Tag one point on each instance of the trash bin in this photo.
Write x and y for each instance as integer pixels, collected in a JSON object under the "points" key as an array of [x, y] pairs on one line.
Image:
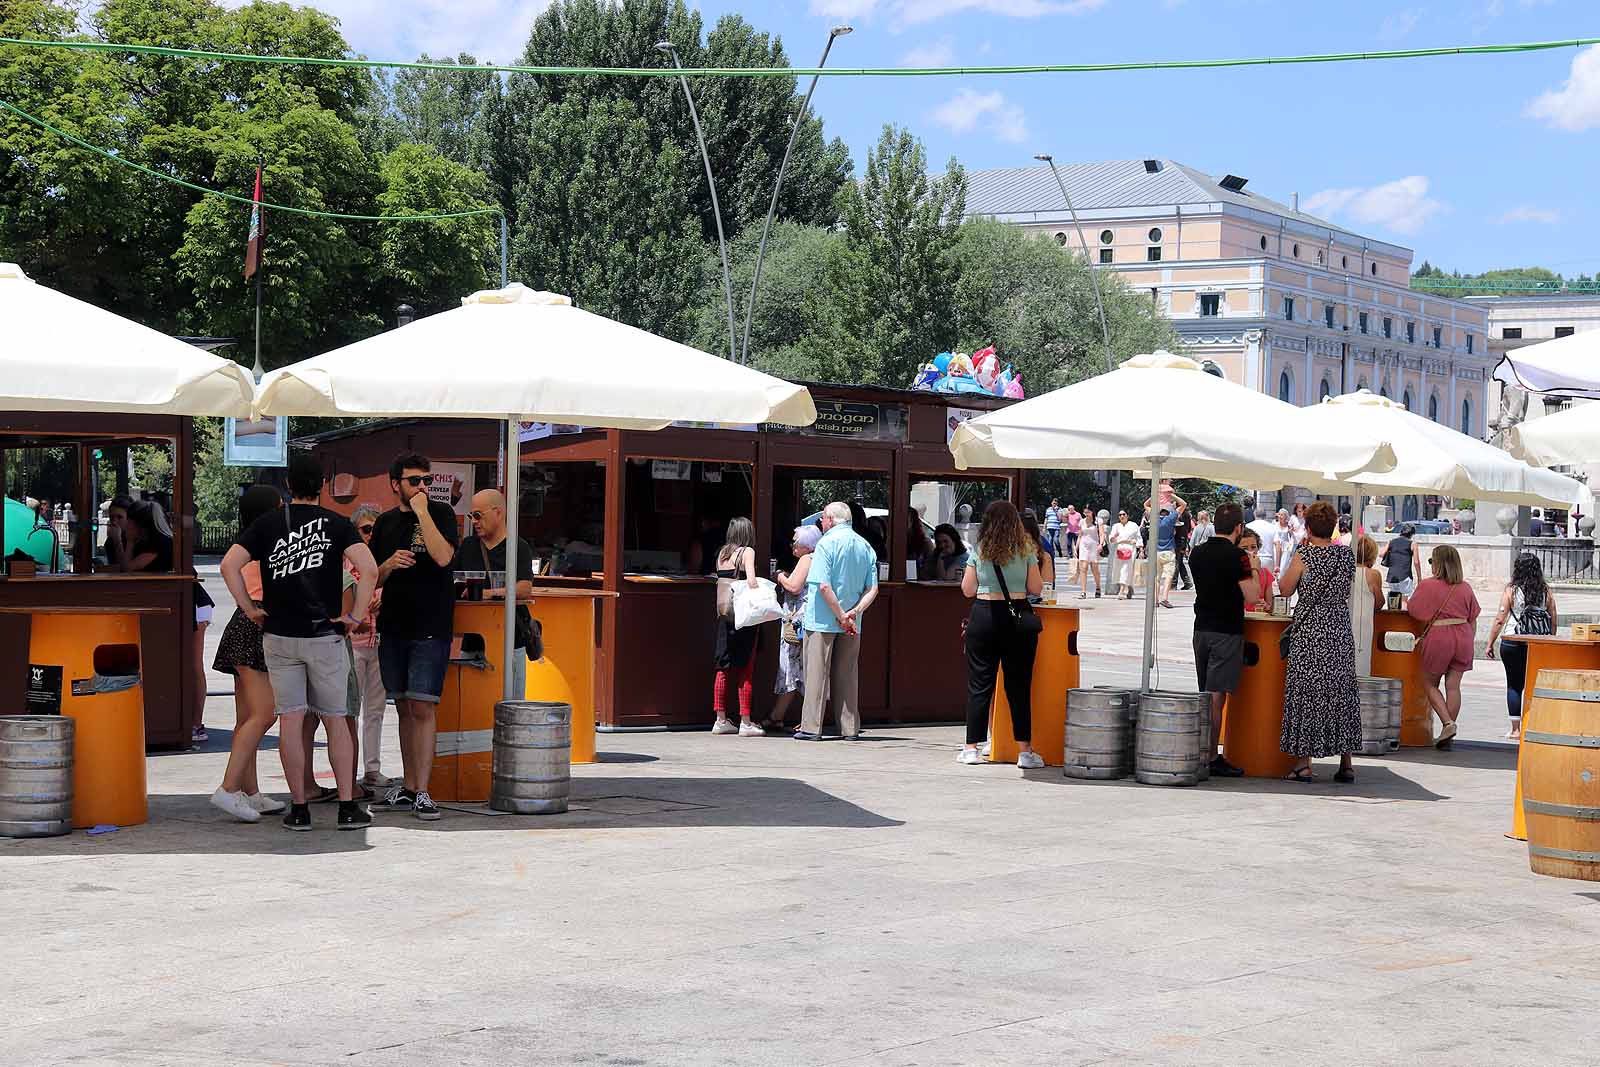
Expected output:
{"points": [[532, 757], [35, 775], [84, 663]]}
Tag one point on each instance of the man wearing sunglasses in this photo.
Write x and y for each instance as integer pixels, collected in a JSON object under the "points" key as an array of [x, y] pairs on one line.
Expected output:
{"points": [[415, 545], [485, 550]]}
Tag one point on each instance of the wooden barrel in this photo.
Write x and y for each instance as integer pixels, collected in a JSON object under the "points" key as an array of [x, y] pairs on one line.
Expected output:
{"points": [[1169, 747], [1380, 714], [36, 775], [532, 757], [1099, 734], [1561, 774]]}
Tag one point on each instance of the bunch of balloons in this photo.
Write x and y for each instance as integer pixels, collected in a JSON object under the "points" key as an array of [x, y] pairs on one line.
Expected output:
{"points": [[957, 372]]}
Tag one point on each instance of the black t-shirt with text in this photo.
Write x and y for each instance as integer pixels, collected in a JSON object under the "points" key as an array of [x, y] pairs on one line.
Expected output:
{"points": [[470, 557], [300, 548], [1218, 566], [418, 601]]}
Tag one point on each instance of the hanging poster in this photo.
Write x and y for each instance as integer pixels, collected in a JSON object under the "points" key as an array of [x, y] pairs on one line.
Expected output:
{"points": [[262, 442], [954, 417], [43, 695], [453, 485]]}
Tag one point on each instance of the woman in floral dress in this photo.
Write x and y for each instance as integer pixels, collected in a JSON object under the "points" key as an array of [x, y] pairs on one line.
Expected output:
{"points": [[1321, 702]]}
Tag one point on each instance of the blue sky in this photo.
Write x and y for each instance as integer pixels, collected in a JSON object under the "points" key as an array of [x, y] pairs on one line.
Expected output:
{"points": [[1475, 162]]}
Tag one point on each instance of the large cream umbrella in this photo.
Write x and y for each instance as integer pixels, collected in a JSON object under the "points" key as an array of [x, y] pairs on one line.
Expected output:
{"points": [[58, 353], [1164, 413], [1430, 458], [517, 355], [1566, 366], [1567, 437]]}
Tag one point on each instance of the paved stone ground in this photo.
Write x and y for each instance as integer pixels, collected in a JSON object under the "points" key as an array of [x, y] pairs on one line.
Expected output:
{"points": [[717, 900]]}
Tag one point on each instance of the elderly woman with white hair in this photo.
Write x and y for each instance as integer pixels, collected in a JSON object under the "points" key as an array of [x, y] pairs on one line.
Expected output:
{"points": [[791, 653]]}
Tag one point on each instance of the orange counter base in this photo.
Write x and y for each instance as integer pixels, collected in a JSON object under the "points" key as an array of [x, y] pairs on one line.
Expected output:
{"points": [[1416, 718], [566, 674], [1546, 653], [1055, 670], [1252, 718]]}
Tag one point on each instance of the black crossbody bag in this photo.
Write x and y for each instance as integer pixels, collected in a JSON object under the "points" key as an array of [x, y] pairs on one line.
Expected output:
{"points": [[1028, 622]]}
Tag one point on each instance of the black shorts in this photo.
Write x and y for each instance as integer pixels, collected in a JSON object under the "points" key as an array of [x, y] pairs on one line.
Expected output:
{"points": [[1218, 660]]}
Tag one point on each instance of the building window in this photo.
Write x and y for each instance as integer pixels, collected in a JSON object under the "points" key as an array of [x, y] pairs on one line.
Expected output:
{"points": [[1106, 237], [1319, 255], [1061, 239], [1153, 254], [1433, 408], [1405, 400], [1210, 305], [1388, 326], [1297, 251], [1411, 333], [1361, 383], [1327, 315], [1374, 270], [1263, 244], [1344, 261], [1466, 416], [1106, 255], [1512, 333], [1384, 391], [1438, 337], [1469, 344], [1565, 331], [1288, 308], [1326, 390], [1155, 235], [1361, 322], [1286, 387]]}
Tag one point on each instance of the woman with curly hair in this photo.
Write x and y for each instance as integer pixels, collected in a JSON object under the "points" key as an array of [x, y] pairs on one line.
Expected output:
{"points": [[1526, 607], [1001, 574]]}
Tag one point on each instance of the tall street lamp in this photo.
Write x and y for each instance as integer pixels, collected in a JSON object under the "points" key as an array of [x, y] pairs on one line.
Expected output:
{"points": [[716, 209], [1105, 333], [799, 120]]}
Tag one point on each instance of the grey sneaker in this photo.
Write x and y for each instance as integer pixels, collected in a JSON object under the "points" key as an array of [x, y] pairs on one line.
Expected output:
{"points": [[1030, 761]]}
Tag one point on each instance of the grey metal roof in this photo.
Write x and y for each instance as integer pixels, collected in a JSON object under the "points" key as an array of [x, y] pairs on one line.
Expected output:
{"points": [[1112, 184]]}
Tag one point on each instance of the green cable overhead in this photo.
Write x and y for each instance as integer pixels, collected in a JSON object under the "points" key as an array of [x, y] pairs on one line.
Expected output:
{"points": [[116, 158], [791, 72]]}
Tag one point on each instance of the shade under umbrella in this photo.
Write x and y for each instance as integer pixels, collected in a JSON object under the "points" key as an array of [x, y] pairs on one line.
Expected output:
{"points": [[1430, 458], [516, 354], [1567, 437], [58, 353], [1164, 413], [1566, 366], [533, 356]]}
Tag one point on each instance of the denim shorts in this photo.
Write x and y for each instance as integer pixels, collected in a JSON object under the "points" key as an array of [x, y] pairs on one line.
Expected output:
{"points": [[308, 674], [413, 670]]}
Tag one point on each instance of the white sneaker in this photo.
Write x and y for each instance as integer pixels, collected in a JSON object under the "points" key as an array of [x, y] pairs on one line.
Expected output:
{"points": [[1029, 761], [985, 748], [750, 729], [969, 756], [234, 804], [264, 804], [723, 726]]}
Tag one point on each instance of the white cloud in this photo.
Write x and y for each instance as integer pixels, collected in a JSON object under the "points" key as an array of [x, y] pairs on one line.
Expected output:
{"points": [[843, 9], [1576, 105], [962, 112], [940, 53], [914, 12], [1398, 25], [491, 30], [1402, 206], [1529, 213]]}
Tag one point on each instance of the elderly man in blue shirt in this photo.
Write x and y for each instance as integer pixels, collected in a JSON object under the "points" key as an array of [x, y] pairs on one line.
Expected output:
{"points": [[843, 583]]}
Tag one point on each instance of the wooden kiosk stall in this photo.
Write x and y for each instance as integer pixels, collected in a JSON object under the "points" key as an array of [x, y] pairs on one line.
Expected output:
{"points": [[158, 607], [634, 514]]}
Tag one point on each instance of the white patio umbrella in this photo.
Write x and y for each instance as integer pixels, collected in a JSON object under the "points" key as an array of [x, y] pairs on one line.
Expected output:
{"points": [[1430, 458], [1165, 413], [518, 355], [58, 353], [1566, 366], [1567, 437]]}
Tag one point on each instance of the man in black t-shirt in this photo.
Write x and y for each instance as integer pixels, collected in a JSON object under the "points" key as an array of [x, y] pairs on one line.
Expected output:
{"points": [[1223, 582], [302, 549], [415, 545], [485, 550]]}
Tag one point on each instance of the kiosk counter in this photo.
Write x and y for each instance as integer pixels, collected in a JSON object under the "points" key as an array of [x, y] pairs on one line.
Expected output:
{"points": [[1056, 670]]}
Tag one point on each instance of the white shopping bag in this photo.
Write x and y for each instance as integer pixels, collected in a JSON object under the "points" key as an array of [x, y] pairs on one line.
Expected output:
{"points": [[752, 607]]}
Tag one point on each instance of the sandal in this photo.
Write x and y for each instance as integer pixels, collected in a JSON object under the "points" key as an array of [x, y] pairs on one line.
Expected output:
{"points": [[1344, 776], [1300, 774], [324, 795]]}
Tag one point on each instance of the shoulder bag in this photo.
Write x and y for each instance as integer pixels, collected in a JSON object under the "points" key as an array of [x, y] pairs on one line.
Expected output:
{"points": [[1028, 622], [530, 632]]}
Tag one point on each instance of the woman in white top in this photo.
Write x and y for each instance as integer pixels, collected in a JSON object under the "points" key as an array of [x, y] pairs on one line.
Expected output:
{"points": [[1366, 597], [1526, 590], [1125, 541], [1091, 535]]}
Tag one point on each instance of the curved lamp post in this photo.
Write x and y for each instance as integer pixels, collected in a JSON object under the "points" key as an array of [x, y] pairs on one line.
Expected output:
{"points": [[777, 187], [716, 209]]}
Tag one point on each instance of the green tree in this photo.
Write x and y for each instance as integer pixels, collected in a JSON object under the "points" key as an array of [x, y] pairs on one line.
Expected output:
{"points": [[431, 265], [893, 279]]}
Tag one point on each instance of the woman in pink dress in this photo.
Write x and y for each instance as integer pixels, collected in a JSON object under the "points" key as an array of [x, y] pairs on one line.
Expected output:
{"points": [[1447, 604]]}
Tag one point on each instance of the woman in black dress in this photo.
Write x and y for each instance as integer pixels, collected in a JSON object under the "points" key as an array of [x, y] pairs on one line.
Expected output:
{"points": [[1321, 700]]}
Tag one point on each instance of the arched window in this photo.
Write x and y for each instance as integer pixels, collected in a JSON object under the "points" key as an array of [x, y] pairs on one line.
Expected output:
{"points": [[1326, 390], [1361, 383], [1466, 415], [1286, 387], [1297, 251], [1405, 399], [1263, 244], [1374, 270], [1384, 391], [1433, 408]]}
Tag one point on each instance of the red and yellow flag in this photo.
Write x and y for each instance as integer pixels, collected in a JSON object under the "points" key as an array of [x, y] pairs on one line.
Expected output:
{"points": [[252, 248]]}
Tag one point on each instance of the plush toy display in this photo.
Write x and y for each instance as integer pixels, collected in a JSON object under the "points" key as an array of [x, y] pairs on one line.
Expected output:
{"points": [[957, 372]]}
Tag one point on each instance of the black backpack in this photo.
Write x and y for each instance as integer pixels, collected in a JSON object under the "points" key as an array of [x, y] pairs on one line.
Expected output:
{"points": [[1535, 621]]}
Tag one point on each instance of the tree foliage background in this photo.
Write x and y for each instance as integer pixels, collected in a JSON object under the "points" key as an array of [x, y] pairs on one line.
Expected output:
{"points": [[599, 180]]}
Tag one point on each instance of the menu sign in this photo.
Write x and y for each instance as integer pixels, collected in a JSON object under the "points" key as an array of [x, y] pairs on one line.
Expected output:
{"points": [[43, 695], [864, 422]]}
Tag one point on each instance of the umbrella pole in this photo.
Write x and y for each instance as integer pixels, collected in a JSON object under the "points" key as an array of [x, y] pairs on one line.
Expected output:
{"points": [[513, 526], [1152, 579]]}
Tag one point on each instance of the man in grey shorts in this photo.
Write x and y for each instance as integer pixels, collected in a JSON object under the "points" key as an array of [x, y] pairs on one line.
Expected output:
{"points": [[1222, 582], [302, 549]]}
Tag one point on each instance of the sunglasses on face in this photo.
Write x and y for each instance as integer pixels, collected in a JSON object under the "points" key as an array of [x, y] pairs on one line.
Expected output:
{"points": [[415, 480], [365, 531], [476, 516]]}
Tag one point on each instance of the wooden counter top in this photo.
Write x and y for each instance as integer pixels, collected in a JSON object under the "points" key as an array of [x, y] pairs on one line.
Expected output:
{"points": [[107, 610], [1262, 616], [1548, 639]]}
